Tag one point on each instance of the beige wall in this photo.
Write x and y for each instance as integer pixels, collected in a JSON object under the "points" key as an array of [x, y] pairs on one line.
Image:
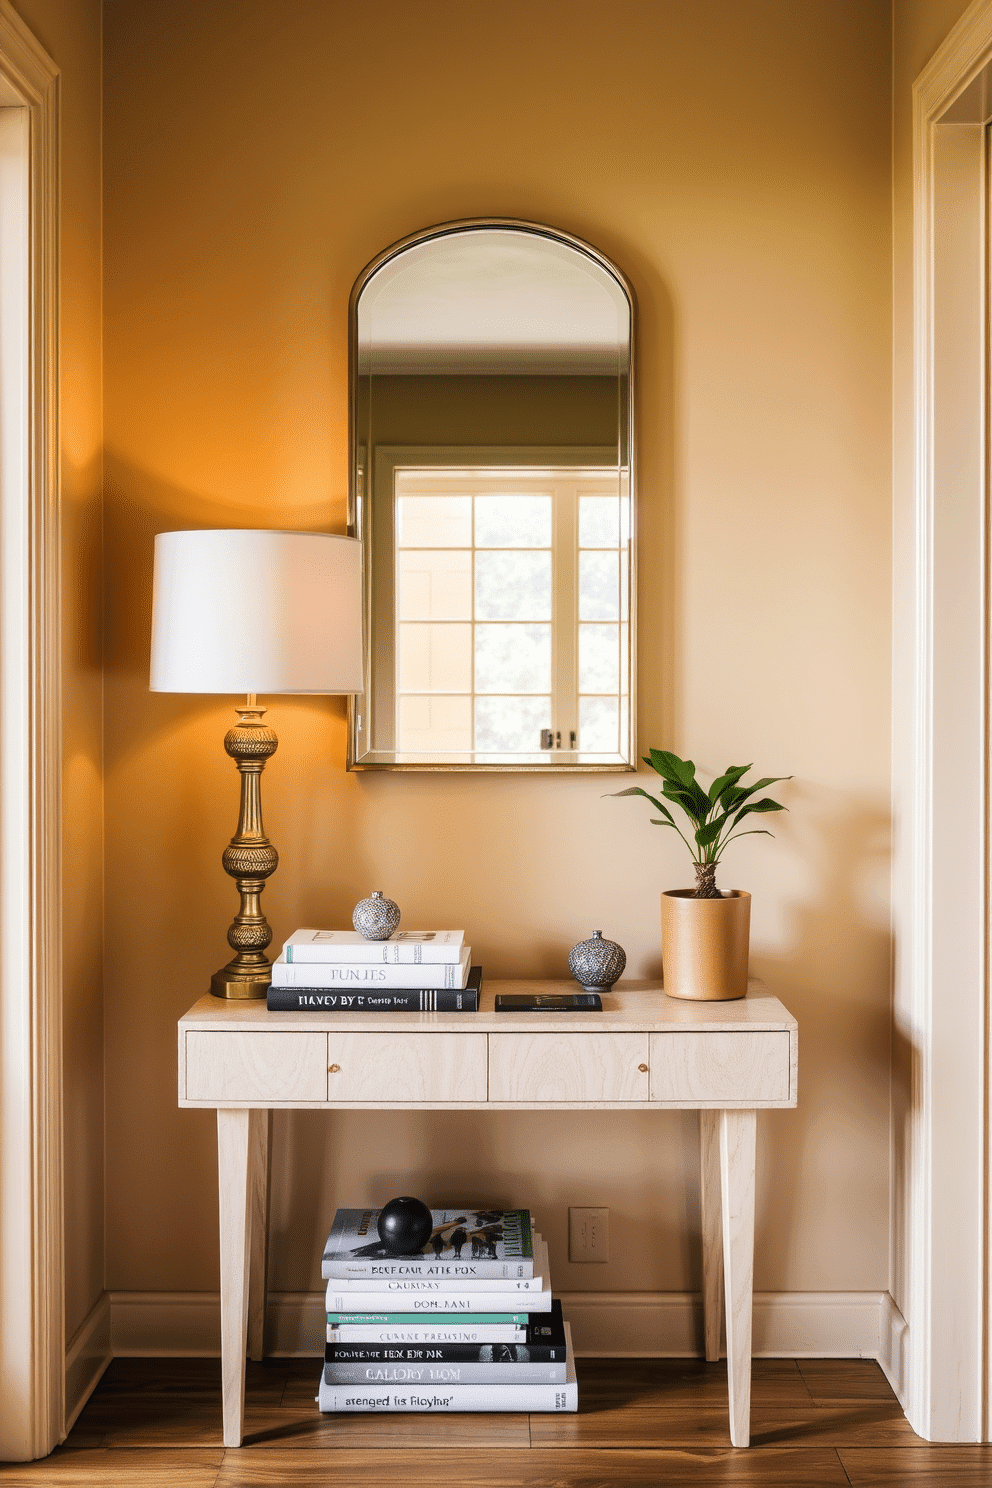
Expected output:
{"points": [[72, 36], [919, 27], [734, 162]]}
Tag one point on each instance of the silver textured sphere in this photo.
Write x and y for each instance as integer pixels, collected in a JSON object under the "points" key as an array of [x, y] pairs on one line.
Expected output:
{"points": [[597, 963], [376, 918]]}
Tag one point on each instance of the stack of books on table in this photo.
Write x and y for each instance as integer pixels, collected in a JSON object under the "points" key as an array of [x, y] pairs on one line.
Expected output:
{"points": [[332, 971], [468, 1324]]}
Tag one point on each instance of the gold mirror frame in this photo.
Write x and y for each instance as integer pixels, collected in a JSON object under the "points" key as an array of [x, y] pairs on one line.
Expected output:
{"points": [[353, 761]]}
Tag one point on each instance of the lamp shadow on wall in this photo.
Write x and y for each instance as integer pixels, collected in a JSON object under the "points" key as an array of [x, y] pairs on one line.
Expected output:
{"points": [[836, 979], [171, 807]]}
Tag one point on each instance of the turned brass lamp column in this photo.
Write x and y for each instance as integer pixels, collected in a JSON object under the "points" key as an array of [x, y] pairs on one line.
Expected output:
{"points": [[249, 858], [249, 611]]}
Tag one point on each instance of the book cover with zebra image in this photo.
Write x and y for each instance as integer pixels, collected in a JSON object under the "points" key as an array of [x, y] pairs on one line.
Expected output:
{"points": [[464, 1245]]}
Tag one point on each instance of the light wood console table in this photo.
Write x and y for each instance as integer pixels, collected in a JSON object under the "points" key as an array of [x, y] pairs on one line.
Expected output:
{"points": [[645, 1051]]}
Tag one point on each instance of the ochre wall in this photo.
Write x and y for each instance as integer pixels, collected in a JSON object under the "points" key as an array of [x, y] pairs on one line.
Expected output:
{"points": [[919, 27], [734, 161], [71, 34]]}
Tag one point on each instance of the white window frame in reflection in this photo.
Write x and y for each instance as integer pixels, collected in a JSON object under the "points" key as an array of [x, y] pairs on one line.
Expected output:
{"points": [[565, 484]]}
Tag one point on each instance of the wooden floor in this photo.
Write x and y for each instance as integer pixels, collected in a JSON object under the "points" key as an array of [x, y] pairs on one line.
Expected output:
{"points": [[156, 1422]]}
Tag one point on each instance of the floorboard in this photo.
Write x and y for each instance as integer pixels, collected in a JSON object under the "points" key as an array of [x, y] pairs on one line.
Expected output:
{"points": [[536, 1469], [941, 1466], [830, 1422], [116, 1470]]}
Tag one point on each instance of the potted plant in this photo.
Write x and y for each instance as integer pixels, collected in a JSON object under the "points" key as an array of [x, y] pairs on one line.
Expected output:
{"points": [[705, 933]]}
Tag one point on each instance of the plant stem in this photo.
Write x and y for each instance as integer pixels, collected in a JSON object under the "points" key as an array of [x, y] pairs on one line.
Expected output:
{"points": [[706, 881]]}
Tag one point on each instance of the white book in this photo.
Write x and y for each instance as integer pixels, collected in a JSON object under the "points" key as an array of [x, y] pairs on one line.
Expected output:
{"points": [[426, 1332], [440, 1398], [367, 977], [445, 1302], [403, 948], [397, 1289]]}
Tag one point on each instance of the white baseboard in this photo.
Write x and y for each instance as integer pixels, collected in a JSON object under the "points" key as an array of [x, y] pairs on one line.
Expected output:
{"points": [[893, 1351], [86, 1358], [786, 1325], [790, 1325]]}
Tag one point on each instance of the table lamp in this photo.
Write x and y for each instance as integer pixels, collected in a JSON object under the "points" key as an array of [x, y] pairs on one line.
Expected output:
{"points": [[255, 612]]}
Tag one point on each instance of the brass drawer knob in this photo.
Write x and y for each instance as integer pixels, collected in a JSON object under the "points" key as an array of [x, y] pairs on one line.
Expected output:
{"points": [[643, 1068], [332, 1069]]}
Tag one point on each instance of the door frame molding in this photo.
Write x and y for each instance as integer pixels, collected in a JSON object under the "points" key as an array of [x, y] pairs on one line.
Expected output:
{"points": [[940, 747], [32, 1265]]}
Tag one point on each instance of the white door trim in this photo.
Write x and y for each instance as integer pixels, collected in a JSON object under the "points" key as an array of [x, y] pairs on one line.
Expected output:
{"points": [[940, 755], [32, 1324]]}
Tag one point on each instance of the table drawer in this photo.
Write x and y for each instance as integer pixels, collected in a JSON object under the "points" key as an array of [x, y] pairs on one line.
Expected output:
{"points": [[256, 1067], [386, 1067], [568, 1067], [747, 1068]]}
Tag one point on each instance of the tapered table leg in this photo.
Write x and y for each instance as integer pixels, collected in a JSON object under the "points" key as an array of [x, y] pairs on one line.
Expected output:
{"points": [[237, 1136], [737, 1149], [709, 1200], [258, 1200]]}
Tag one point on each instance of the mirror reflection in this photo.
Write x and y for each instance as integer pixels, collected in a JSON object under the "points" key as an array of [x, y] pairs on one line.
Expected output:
{"points": [[491, 459]]}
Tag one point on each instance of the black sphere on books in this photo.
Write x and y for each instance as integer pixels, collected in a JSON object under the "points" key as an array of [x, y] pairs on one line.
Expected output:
{"points": [[405, 1225]]}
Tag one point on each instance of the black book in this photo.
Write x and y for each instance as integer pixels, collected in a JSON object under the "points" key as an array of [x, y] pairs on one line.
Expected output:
{"points": [[545, 1344], [382, 1000]]}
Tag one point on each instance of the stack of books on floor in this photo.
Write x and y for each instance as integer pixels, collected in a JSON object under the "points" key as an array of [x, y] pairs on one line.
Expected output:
{"points": [[468, 1324], [333, 971]]}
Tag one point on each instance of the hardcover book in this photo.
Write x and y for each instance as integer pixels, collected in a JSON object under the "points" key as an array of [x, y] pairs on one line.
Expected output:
{"points": [[404, 1327], [413, 1281], [542, 1340], [465, 1245], [440, 1398], [445, 1304], [439, 1372], [412, 1000], [425, 1294], [403, 948], [369, 977]]}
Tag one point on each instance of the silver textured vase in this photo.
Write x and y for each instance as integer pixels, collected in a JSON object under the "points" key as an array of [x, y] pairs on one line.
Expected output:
{"points": [[376, 918], [597, 963]]}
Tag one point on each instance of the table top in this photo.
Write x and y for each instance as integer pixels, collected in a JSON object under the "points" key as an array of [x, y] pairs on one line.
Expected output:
{"points": [[632, 1006]]}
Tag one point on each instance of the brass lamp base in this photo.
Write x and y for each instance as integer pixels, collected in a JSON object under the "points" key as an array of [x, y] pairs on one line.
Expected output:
{"points": [[249, 858], [225, 983]]}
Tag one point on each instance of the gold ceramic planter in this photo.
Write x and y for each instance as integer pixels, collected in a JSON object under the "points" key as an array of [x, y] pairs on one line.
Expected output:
{"points": [[704, 944]]}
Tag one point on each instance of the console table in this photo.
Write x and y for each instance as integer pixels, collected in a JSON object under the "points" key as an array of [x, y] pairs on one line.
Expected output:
{"points": [[645, 1051]]}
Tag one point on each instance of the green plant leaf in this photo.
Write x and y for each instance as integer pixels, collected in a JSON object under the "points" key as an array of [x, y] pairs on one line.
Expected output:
{"points": [[747, 791], [709, 833], [696, 809], [733, 796], [670, 767], [766, 804], [754, 832], [730, 776], [635, 790], [681, 774]]}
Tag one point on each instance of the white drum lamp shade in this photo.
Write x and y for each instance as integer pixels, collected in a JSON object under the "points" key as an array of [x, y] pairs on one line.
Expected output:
{"points": [[246, 611]]}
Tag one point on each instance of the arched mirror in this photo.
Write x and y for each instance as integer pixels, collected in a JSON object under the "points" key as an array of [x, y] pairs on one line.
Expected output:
{"points": [[491, 483]]}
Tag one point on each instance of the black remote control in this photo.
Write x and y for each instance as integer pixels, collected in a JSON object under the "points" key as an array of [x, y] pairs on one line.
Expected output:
{"points": [[553, 1002]]}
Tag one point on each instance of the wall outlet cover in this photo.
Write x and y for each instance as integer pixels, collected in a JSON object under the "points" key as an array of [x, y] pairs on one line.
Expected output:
{"points": [[588, 1235]]}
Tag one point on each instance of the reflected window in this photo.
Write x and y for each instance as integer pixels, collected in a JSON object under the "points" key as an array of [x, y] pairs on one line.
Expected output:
{"points": [[511, 624]]}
